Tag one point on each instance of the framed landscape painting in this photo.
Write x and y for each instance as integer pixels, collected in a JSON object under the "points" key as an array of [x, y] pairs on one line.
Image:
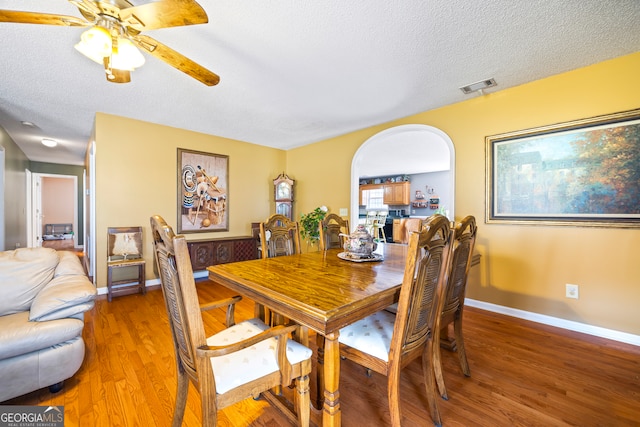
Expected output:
{"points": [[203, 182], [584, 172]]}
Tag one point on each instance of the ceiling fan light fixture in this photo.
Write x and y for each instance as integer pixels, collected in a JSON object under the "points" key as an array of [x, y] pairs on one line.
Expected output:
{"points": [[49, 142], [127, 56], [95, 44]]}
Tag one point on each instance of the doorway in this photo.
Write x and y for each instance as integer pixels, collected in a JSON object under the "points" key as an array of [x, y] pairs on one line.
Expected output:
{"points": [[54, 209], [406, 149]]}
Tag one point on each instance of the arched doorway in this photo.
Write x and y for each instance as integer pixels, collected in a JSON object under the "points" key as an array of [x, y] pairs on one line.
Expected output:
{"points": [[406, 149]]}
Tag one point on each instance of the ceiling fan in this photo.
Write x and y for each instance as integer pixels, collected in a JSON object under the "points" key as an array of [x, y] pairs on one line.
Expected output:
{"points": [[115, 30]]}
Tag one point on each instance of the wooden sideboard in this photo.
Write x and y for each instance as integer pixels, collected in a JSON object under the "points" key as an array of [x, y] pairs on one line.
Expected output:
{"points": [[206, 252]]}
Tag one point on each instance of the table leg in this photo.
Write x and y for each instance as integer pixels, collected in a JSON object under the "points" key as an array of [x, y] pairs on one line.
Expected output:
{"points": [[331, 415], [320, 371]]}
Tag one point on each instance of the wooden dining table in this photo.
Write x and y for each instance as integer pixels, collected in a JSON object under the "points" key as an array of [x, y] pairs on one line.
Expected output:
{"points": [[323, 292]]}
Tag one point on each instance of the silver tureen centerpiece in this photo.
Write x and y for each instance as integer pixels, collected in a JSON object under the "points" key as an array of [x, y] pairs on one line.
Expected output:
{"points": [[360, 243]]}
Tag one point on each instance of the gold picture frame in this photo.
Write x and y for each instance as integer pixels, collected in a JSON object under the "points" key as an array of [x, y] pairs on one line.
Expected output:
{"points": [[203, 195], [582, 173]]}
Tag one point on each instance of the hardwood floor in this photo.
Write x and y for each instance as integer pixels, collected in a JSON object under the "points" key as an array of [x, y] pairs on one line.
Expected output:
{"points": [[522, 374]]}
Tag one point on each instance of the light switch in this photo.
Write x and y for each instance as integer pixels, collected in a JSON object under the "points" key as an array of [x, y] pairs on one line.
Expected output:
{"points": [[344, 211]]}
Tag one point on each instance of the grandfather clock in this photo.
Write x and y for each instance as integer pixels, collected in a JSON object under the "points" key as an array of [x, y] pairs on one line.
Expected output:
{"points": [[283, 195]]}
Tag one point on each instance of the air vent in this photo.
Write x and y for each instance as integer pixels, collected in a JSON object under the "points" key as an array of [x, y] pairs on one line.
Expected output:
{"points": [[478, 86]]}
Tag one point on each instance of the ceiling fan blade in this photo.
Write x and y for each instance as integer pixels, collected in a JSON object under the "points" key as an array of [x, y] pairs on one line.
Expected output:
{"points": [[41, 18], [176, 60], [163, 14], [87, 6]]}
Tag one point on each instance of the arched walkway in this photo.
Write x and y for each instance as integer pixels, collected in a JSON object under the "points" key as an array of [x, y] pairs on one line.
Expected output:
{"points": [[405, 149]]}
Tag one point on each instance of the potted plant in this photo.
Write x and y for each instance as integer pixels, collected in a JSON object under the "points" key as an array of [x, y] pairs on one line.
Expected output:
{"points": [[309, 224]]}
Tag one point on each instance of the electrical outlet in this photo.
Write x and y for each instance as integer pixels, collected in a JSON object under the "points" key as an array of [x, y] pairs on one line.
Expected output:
{"points": [[344, 211], [572, 291]]}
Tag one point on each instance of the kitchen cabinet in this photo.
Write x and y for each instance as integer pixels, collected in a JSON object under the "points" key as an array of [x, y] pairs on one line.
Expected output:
{"points": [[403, 227], [397, 193], [397, 230]]}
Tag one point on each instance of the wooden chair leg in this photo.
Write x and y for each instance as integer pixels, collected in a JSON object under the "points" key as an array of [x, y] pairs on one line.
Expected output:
{"points": [[393, 392], [181, 398], [208, 404], [437, 372], [436, 362], [304, 400], [430, 383], [109, 283], [462, 353], [142, 278]]}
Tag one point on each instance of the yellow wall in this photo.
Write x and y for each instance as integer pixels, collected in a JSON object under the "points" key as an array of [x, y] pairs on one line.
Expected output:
{"points": [[523, 267], [136, 177]]}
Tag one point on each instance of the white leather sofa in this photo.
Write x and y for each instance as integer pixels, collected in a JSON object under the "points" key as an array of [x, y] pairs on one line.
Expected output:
{"points": [[43, 296]]}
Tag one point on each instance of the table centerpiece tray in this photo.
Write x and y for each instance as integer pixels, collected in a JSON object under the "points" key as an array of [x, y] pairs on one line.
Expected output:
{"points": [[348, 256]]}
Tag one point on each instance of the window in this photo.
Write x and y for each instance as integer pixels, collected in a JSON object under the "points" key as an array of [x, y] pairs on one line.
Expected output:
{"points": [[373, 199]]}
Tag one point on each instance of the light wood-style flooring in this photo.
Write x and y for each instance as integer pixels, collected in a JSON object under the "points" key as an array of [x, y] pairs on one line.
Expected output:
{"points": [[522, 374]]}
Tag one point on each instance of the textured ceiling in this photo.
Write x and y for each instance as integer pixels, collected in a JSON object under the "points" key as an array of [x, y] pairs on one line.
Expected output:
{"points": [[293, 73]]}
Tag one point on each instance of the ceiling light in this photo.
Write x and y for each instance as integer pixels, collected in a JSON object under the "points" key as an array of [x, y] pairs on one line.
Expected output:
{"points": [[478, 86], [106, 44], [127, 56], [95, 44], [28, 124], [49, 142]]}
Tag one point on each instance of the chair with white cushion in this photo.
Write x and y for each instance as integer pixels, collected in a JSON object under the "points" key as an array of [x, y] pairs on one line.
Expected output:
{"points": [[239, 362], [385, 342]]}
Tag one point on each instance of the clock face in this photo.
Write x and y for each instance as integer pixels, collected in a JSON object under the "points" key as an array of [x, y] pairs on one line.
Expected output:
{"points": [[283, 191]]}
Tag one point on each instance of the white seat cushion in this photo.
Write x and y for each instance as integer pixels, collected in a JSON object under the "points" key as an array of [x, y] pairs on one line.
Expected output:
{"points": [[251, 363], [371, 335]]}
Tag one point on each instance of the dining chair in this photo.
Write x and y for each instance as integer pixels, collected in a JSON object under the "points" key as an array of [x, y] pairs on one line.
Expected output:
{"points": [[279, 236], [463, 244], [331, 228], [241, 361], [384, 342]]}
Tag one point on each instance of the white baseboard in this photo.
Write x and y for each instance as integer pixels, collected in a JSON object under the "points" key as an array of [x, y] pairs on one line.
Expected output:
{"points": [[153, 282], [557, 322]]}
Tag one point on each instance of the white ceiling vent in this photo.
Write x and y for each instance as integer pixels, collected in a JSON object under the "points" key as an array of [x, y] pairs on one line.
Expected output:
{"points": [[478, 86]]}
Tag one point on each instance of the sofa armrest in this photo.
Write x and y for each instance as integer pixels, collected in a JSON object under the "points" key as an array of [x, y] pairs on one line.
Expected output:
{"points": [[64, 296]]}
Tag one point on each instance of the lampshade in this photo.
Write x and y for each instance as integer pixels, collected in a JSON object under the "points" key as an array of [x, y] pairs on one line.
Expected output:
{"points": [[127, 57], [95, 44]]}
